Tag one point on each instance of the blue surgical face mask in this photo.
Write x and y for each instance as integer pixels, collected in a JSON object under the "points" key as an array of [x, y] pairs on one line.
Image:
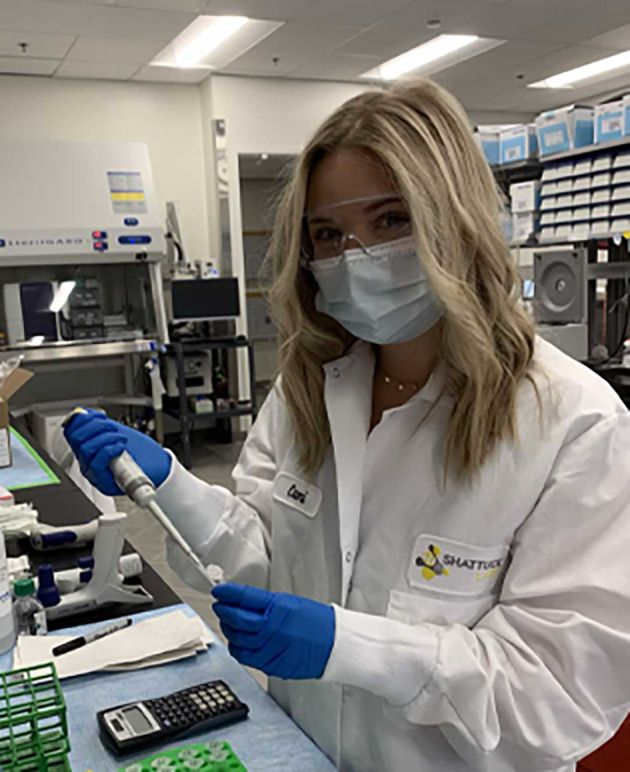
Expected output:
{"points": [[381, 295]]}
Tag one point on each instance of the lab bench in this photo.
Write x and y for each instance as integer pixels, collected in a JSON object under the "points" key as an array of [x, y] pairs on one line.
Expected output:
{"points": [[64, 504], [267, 741]]}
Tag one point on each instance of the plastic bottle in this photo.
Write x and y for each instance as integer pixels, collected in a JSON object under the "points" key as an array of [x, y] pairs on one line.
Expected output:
{"points": [[30, 615], [7, 627]]}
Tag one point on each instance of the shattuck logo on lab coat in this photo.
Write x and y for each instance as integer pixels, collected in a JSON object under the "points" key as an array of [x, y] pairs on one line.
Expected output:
{"points": [[498, 664]]}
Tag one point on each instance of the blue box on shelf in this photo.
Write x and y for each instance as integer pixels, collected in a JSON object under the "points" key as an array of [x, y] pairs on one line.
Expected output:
{"points": [[487, 138], [565, 129], [518, 144], [612, 120]]}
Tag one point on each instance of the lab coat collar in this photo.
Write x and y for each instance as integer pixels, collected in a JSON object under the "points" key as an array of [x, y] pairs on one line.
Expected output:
{"points": [[360, 357]]}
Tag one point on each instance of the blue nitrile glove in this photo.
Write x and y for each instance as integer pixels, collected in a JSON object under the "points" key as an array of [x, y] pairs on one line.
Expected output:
{"points": [[283, 635], [97, 440]]}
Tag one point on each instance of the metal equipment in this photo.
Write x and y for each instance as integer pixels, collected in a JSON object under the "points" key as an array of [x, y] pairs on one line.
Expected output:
{"points": [[197, 373], [560, 286], [81, 251]]}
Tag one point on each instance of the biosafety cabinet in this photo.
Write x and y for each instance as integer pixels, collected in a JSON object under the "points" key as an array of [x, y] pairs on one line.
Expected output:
{"points": [[81, 252]]}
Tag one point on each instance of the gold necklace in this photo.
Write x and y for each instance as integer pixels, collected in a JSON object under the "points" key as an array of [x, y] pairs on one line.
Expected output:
{"points": [[400, 385]]}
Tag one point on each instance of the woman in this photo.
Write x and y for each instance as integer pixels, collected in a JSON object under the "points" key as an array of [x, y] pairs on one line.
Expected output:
{"points": [[443, 498]]}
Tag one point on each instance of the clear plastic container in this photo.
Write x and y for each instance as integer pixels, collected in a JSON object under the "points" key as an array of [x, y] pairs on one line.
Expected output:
{"points": [[28, 612]]}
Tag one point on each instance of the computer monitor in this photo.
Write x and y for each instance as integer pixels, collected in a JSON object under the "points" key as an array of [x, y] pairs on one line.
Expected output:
{"points": [[199, 300]]}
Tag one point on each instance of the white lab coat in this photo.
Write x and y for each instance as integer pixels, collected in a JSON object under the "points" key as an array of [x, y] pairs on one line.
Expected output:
{"points": [[512, 653]]}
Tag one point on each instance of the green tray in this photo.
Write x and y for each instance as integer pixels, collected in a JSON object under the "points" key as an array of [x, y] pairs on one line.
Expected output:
{"points": [[203, 757], [33, 723]]}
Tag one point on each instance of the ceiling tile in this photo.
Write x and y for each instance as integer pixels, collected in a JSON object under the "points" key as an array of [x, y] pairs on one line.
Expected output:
{"points": [[297, 38], [79, 2], [171, 75], [133, 22], [23, 66], [263, 62], [552, 5], [384, 41], [42, 16], [365, 12], [576, 27], [560, 61], [451, 12], [337, 67], [40, 45], [507, 22], [96, 70], [619, 38], [275, 10], [507, 59], [123, 50]]}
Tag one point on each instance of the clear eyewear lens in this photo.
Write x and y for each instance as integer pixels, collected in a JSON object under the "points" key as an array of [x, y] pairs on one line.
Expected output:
{"points": [[360, 224]]}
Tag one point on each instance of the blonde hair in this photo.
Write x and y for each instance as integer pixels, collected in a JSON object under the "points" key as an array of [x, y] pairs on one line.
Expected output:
{"points": [[420, 135]]}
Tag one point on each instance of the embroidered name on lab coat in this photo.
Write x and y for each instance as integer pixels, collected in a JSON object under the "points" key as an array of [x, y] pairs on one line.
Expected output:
{"points": [[450, 566], [297, 494]]}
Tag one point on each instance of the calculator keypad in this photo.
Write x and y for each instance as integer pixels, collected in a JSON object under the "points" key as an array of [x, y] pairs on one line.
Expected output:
{"points": [[192, 706]]}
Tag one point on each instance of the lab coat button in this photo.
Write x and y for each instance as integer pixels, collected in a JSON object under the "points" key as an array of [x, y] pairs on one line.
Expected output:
{"points": [[336, 372], [349, 557]]}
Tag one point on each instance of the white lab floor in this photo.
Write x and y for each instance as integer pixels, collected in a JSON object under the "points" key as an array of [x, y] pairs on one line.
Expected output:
{"points": [[212, 463]]}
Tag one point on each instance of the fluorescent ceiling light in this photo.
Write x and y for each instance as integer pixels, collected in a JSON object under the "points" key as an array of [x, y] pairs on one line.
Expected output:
{"points": [[437, 54], [586, 72], [64, 290], [36, 340], [210, 42]]}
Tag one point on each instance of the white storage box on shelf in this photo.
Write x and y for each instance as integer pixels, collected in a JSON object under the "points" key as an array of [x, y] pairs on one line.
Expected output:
{"points": [[581, 231], [621, 210], [622, 193], [565, 129], [601, 180], [524, 227], [582, 199], [581, 214], [620, 226], [548, 218], [621, 177], [525, 196], [548, 203], [564, 216], [564, 201], [564, 186], [548, 233], [601, 196], [601, 212], [518, 144], [583, 167], [602, 163], [612, 120], [564, 231], [549, 189], [622, 160], [582, 183], [600, 227]]}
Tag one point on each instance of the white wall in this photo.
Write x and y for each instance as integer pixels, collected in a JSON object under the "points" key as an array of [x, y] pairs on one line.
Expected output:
{"points": [[167, 117]]}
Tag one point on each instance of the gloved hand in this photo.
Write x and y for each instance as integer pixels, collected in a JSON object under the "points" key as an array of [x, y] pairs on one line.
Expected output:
{"points": [[282, 635], [97, 440]]}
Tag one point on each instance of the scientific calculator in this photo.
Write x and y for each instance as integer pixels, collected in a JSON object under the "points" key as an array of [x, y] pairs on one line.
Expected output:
{"points": [[126, 728]]}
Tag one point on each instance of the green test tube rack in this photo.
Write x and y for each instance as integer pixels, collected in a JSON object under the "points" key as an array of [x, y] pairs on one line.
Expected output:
{"points": [[214, 756], [33, 722]]}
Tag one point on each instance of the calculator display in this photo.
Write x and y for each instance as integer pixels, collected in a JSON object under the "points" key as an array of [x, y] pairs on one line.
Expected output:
{"points": [[137, 720]]}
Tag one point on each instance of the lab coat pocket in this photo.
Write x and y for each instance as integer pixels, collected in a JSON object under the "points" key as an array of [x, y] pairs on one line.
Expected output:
{"points": [[438, 608]]}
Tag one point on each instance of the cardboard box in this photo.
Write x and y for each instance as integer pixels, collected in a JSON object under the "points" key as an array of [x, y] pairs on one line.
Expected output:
{"points": [[525, 196], [487, 138], [612, 120], [518, 144], [11, 385], [524, 226], [565, 129]]}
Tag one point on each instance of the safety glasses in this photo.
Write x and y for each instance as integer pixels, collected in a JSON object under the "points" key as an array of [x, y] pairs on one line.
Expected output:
{"points": [[362, 223]]}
